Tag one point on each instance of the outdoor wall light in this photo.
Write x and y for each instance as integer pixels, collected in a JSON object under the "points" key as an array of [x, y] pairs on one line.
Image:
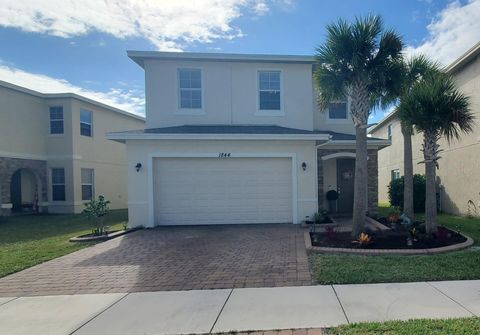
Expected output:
{"points": [[304, 166], [138, 167]]}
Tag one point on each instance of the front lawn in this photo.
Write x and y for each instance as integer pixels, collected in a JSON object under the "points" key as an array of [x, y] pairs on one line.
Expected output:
{"points": [[355, 269], [32, 239], [466, 326]]}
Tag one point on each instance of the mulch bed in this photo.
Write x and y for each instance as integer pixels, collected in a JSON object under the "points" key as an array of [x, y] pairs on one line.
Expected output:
{"points": [[389, 239]]}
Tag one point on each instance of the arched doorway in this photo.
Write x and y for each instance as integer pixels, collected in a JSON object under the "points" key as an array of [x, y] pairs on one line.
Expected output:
{"points": [[24, 190], [339, 175]]}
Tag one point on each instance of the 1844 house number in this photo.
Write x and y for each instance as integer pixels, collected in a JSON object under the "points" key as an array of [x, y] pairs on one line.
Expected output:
{"points": [[224, 154]]}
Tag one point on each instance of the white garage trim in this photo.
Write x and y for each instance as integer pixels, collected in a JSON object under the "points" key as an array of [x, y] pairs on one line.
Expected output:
{"points": [[152, 156]]}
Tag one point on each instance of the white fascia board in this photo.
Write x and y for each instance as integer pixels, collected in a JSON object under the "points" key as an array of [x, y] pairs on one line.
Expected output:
{"points": [[139, 57], [285, 137]]}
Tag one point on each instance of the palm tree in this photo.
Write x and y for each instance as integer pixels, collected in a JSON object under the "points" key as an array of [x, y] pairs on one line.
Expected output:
{"points": [[414, 69], [435, 107], [359, 60]]}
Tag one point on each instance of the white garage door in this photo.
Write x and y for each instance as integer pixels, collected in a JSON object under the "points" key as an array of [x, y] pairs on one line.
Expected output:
{"points": [[196, 191]]}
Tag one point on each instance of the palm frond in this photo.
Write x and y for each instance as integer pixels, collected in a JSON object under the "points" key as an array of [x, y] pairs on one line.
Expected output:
{"points": [[359, 52], [434, 104]]}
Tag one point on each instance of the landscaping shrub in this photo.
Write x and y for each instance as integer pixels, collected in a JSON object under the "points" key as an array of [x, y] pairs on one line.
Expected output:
{"points": [[395, 192], [96, 210]]}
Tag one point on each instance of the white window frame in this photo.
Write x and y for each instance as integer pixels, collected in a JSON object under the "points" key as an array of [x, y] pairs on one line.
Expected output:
{"points": [[339, 121], [390, 131], [190, 111], [52, 184], [269, 112], [50, 120], [90, 124], [393, 173], [82, 183]]}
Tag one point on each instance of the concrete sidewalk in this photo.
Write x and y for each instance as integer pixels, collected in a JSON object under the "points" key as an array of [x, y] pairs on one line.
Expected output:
{"points": [[206, 311]]}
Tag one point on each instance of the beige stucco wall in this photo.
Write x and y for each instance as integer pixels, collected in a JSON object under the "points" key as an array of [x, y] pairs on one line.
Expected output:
{"points": [[142, 152], [23, 125], [25, 133], [229, 94], [107, 158], [458, 173]]}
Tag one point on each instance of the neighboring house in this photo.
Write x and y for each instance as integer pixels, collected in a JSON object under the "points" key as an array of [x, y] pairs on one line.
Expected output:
{"points": [[233, 138], [53, 151], [459, 174]]}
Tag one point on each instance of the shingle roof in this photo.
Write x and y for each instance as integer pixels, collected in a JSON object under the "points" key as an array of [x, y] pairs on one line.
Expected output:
{"points": [[245, 129]]}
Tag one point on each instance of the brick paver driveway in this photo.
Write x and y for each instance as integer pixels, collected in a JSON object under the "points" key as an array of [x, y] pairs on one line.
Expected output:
{"points": [[173, 258]]}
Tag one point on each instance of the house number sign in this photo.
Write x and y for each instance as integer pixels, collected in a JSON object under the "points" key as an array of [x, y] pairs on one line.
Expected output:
{"points": [[224, 154]]}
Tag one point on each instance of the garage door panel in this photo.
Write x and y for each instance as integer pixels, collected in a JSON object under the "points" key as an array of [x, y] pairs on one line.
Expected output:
{"points": [[222, 191]]}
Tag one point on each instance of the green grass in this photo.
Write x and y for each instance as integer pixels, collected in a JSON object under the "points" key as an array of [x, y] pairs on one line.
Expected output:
{"points": [[465, 326], [32, 239], [356, 269]]}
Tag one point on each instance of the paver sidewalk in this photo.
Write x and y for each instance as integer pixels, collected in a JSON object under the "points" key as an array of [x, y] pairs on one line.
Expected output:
{"points": [[244, 309]]}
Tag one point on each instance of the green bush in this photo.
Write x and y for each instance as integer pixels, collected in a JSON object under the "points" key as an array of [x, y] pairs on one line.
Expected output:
{"points": [[395, 192]]}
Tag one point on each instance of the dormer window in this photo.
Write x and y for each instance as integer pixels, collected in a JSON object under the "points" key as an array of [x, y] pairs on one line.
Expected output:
{"points": [[190, 88]]}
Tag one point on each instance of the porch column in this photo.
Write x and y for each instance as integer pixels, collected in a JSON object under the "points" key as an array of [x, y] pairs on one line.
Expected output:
{"points": [[373, 182], [321, 192]]}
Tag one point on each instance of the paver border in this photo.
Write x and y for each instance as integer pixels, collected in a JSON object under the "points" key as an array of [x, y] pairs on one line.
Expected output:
{"points": [[100, 238], [454, 247]]}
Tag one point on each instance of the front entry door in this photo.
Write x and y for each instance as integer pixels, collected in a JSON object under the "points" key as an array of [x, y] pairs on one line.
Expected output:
{"points": [[345, 177]]}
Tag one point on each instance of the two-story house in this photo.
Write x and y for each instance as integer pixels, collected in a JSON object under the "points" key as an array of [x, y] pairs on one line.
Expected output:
{"points": [[53, 153], [458, 174], [236, 138]]}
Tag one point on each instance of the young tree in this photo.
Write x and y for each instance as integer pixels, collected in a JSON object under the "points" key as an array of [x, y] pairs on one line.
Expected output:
{"points": [[414, 69], [435, 107], [359, 61]]}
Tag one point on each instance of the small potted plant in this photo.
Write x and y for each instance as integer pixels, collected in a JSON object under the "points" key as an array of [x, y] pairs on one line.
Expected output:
{"points": [[393, 215]]}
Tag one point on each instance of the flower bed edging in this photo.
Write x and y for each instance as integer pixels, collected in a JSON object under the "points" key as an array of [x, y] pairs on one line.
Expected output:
{"points": [[459, 246], [109, 236]]}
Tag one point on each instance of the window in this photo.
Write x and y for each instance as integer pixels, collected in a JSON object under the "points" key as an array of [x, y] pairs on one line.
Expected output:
{"points": [[58, 184], [337, 111], [56, 120], [85, 123], [389, 130], [87, 184], [395, 174], [190, 88], [269, 90]]}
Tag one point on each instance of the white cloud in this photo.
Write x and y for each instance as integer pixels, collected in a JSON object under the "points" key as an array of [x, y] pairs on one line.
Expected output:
{"points": [[130, 100], [261, 7], [170, 25], [452, 32]]}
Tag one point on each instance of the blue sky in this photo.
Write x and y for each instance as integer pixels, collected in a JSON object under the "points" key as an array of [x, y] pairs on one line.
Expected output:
{"points": [[67, 45]]}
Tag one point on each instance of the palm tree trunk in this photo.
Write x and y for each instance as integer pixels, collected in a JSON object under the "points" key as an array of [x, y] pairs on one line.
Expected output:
{"points": [[360, 186], [430, 156], [407, 172]]}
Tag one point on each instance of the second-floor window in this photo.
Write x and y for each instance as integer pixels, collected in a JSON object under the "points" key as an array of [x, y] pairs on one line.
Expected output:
{"points": [[389, 132], [337, 111], [56, 120], [85, 123], [190, 88], [58, 184], [269, 90]]}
